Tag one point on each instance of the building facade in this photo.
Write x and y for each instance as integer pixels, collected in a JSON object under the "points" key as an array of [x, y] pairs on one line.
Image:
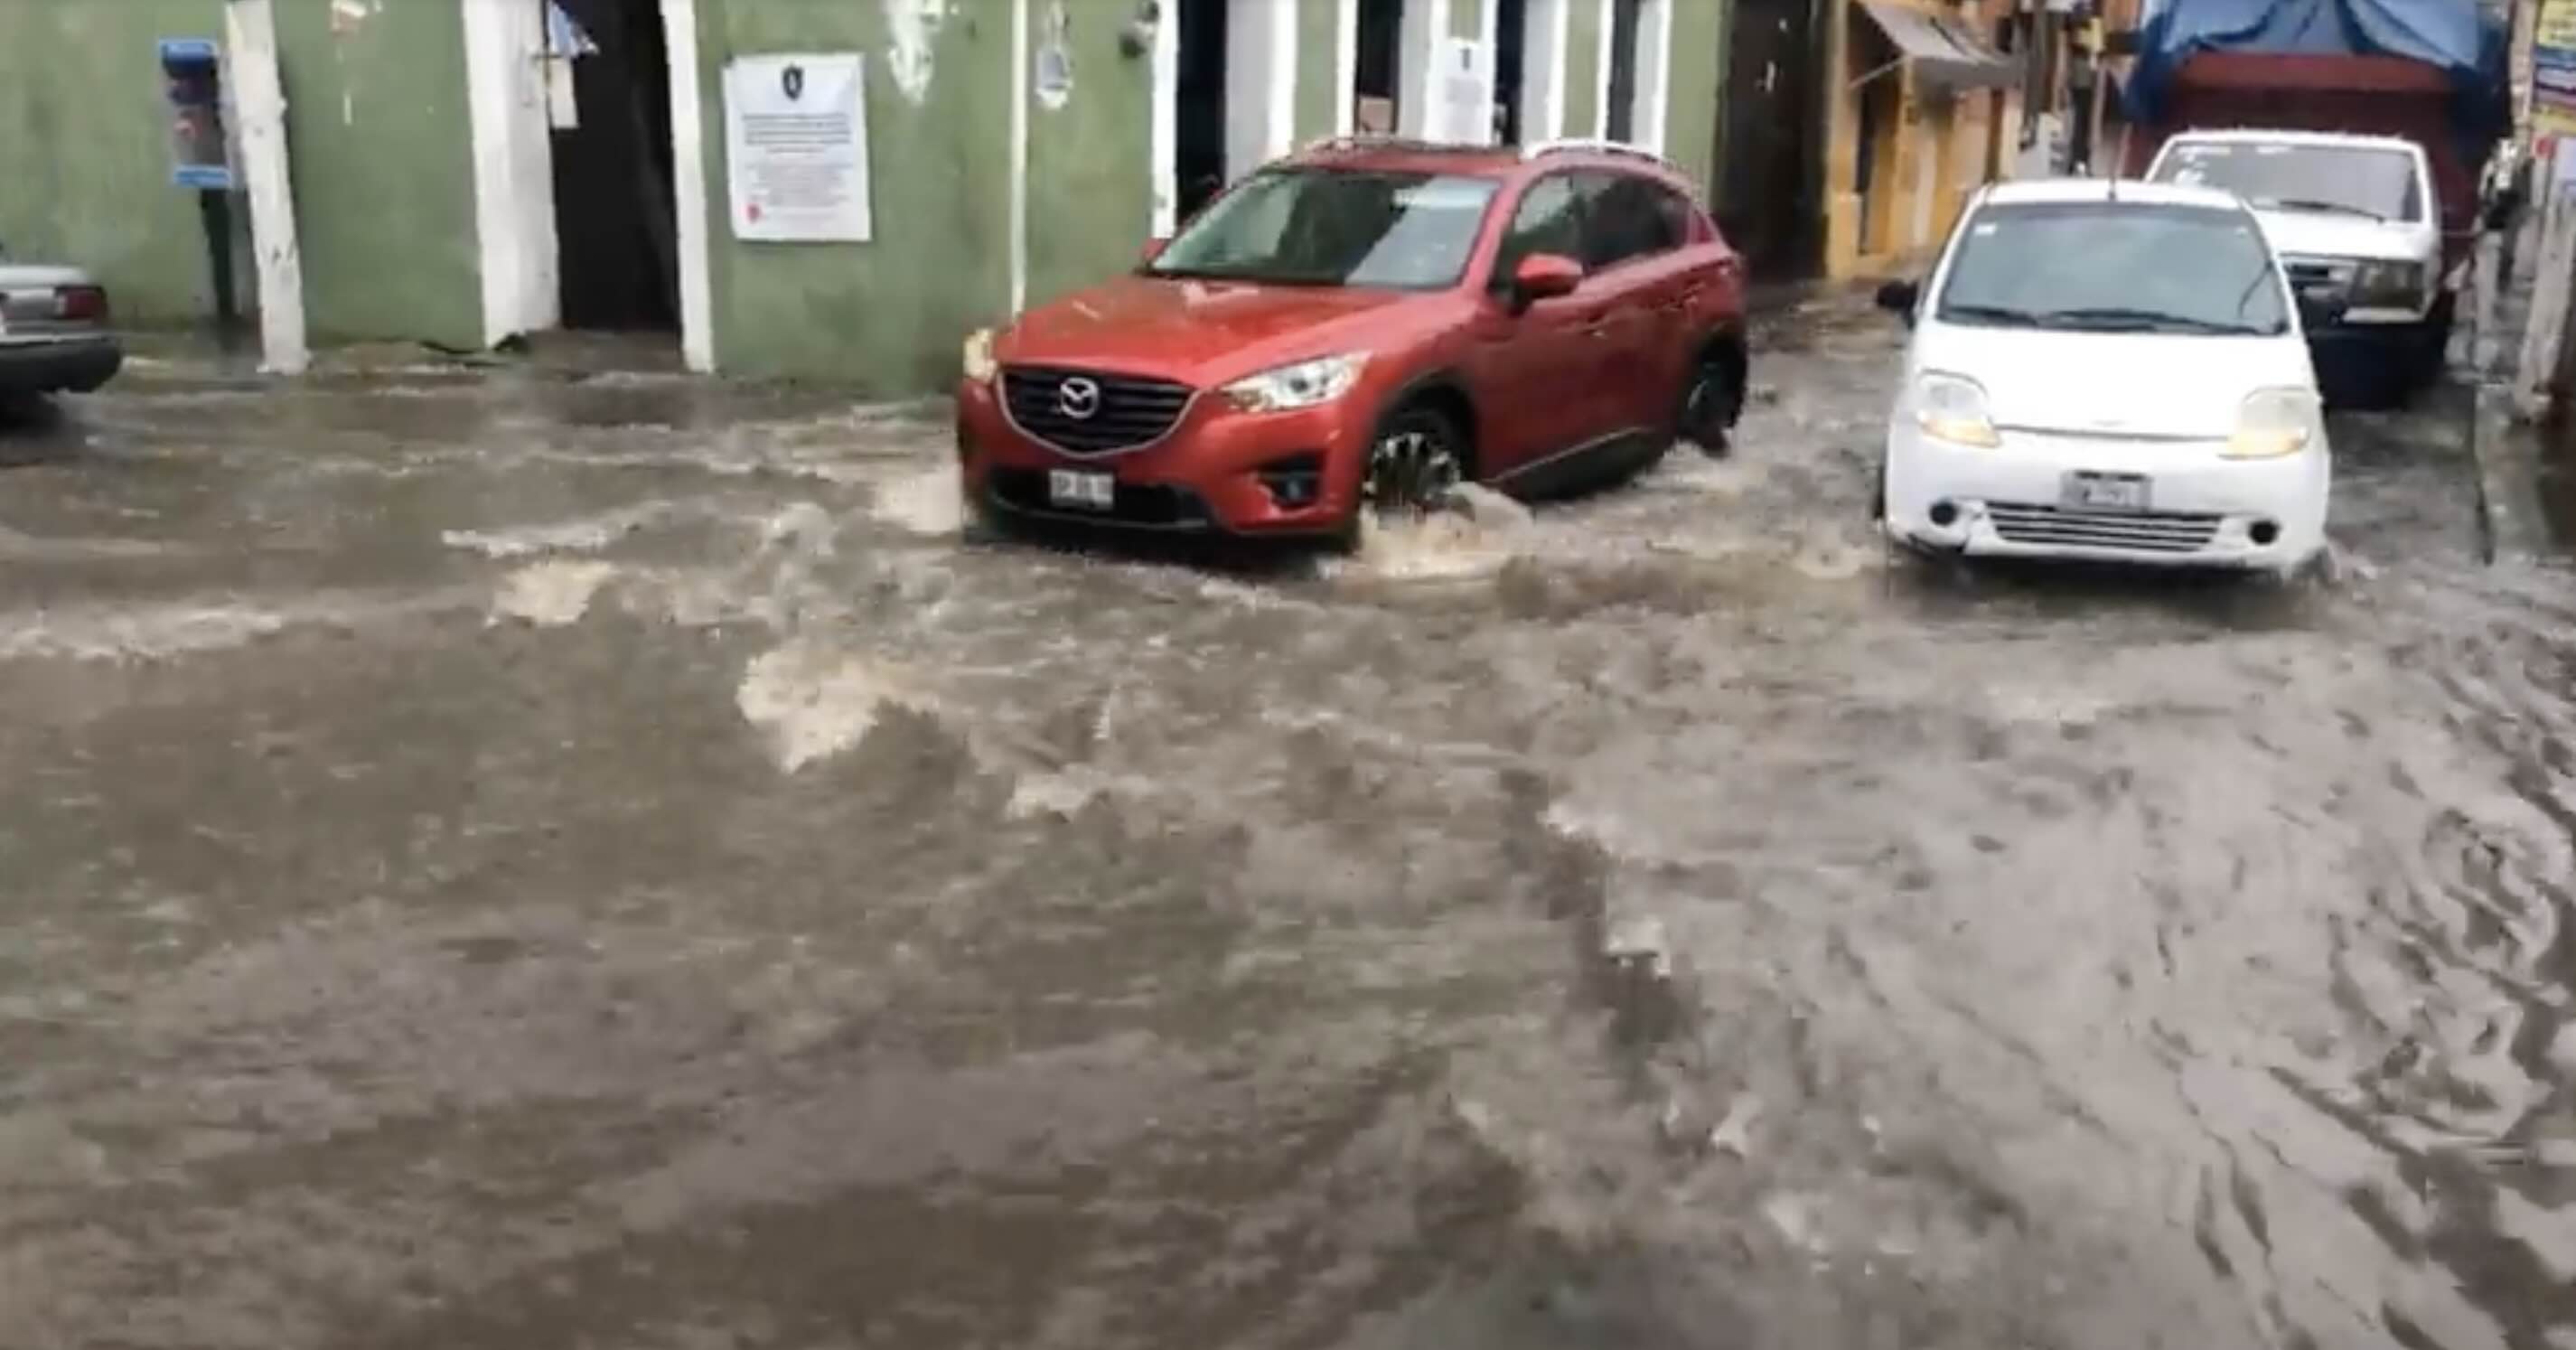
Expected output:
{"points": [[468, 171]]}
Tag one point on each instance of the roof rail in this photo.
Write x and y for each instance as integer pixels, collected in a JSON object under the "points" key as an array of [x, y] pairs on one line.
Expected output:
{"points": [[1378, 141], [1593, 145]]}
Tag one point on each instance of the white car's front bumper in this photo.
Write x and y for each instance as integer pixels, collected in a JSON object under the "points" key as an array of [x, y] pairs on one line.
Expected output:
{"points": [[2203, 510]]}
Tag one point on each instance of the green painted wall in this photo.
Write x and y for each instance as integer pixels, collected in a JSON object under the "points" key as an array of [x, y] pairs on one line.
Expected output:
{"points": [[1090, 161], [885, 316], [1317, 24], [85, 149], [382, 147], [1583, 43], [1697, 76]]}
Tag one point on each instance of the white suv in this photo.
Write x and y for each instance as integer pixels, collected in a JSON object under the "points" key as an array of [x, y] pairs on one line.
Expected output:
{"points": [[2359, 227]]}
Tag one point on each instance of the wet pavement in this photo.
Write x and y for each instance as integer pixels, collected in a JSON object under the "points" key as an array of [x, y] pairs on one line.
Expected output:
{"points": [[505, 860]]}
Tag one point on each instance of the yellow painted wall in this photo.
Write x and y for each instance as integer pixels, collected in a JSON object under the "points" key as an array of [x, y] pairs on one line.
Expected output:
{"points": [[1927, 141]]}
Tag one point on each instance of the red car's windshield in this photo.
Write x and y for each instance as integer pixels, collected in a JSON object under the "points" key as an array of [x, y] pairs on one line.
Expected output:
{"points": [[1335, 227]]}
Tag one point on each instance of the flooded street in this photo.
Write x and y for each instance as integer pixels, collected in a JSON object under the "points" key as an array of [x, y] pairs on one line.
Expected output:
{"points": [[527, 861]]}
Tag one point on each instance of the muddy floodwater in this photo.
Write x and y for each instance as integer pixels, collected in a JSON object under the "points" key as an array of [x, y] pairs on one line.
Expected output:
{"points": [[530, 860]]}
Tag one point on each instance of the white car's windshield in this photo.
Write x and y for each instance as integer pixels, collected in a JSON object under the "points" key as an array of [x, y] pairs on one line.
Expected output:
{"points": [[2114, 267], [1332, 227], [2341, 180]]}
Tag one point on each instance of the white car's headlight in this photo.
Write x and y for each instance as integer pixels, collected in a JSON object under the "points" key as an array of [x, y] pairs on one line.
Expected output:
{"points": [[2273, 423], [978, 356], [1302, 385], [1953, 408]]}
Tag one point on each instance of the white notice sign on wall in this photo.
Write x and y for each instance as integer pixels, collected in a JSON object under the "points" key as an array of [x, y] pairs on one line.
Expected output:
{"points": [[796, 148]]}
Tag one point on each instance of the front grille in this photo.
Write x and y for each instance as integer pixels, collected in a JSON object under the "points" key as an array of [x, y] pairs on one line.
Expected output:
{"points": [[2134, 531], [1153, 506], [1129, 411]]}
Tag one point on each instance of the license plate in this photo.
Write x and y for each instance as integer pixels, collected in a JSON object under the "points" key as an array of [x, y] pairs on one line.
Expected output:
{"points": [[2106, 491], [1088, 491]]}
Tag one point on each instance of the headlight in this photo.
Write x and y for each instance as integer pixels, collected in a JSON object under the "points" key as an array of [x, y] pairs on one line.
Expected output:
{"points": [[1302, 385], [2273, 423], [978, 356], [2388, 285], [1952, 408]]}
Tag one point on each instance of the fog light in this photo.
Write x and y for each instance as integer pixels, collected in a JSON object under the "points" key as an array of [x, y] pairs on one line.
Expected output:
{"points": [[1945, 513], [2264, 533], [1294, 481]]}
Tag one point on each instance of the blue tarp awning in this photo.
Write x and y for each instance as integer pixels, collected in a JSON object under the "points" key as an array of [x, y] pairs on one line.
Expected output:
{"points": [[2455, 35]]}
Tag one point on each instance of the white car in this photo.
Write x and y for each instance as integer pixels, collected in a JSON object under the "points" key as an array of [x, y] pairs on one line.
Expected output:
{"points": [[2355, 218], [2111, 371]]}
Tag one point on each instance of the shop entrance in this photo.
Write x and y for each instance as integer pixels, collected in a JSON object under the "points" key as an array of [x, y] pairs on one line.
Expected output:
{"points": [[614, 214], [1766, 204]]}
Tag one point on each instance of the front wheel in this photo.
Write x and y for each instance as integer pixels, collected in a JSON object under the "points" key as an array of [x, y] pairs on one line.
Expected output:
{"points": [[1417, 456], [1712, 399]]}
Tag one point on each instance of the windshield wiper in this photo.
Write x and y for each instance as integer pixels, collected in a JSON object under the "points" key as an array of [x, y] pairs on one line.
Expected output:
{"points": [[2329, 208], [2003, 315], [2112, 319]]}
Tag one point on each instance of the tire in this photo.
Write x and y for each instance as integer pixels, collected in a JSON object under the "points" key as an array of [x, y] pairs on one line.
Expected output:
{"points": [[1416, 455], [2433, 352], [1712, 399]]}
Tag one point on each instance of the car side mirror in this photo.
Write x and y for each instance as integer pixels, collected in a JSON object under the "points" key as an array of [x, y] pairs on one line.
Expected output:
{"points": [[1901, 298], [1153, 249], [1544, 276]]}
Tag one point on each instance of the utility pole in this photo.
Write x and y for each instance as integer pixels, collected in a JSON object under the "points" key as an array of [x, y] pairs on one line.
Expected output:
{"points": [[259, 97]]}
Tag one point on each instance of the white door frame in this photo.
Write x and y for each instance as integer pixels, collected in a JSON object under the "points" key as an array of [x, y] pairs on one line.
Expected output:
{"points": [[514, 192], [689, 185]]}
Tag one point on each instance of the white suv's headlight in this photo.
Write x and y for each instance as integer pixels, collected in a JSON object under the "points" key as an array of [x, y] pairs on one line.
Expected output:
{"points": [[1953, 408], [1302, 385], [978, 356], [2388, 285], [2273, 423]]}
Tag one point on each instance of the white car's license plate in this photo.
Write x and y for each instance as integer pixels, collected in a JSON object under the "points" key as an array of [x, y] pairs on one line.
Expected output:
{"points": [[1087, 491], [2106, 491]]}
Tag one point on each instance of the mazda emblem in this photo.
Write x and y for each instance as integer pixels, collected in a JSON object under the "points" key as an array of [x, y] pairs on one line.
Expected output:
{"points": [[1078, 398]]}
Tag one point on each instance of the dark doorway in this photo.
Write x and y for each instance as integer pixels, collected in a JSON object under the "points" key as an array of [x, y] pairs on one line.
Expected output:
{"points": [[1767, 202], [1375, 74], [1623, 70], [1199, 115], [1511, 29], [614, 218]]}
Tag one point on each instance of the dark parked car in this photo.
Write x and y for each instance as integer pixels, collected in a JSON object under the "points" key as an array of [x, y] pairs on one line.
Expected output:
{"points": [[54, 335]]}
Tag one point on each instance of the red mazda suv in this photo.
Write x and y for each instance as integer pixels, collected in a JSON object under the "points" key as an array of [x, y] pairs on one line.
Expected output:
{"points": [[1360, 327]]}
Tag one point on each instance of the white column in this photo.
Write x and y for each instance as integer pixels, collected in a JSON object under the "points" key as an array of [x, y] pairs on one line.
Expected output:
{"points": [[1164, 121], [259, 101], [1346, 65], [1417, 86], [1019, 154], [1654, 74], [514, 190], [1260, 83], [1604, 42], [1543, 69], [689, 185]]}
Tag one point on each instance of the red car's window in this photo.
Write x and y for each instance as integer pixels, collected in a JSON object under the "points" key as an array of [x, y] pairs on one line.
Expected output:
{"points": [[1549, 219], [1626, 218], [1335, 227]]}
